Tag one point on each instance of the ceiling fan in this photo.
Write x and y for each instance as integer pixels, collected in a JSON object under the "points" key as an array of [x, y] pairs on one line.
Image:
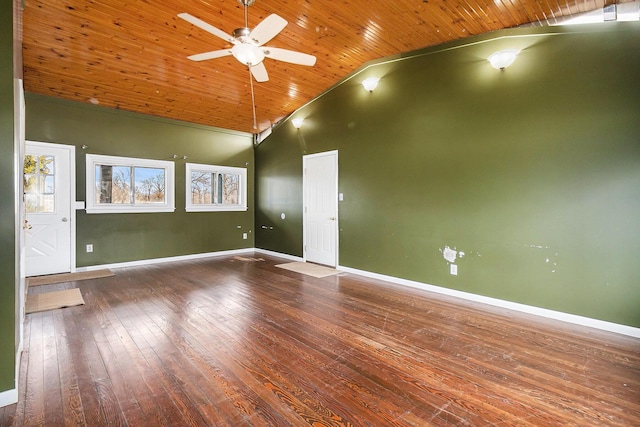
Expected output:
{"points": [[249, 45]]}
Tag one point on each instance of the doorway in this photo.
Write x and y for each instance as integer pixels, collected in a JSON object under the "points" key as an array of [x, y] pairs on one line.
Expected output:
{"points": [[49, 224], [320, 214]]}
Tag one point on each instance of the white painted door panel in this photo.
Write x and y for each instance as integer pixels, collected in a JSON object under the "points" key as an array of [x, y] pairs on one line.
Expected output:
{"points": [[321, 208], [48, 209]]}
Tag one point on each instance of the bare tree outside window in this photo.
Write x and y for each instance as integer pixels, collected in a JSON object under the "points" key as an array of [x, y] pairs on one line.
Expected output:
{"points": [[150, 185], [201, 189], [230, 188]]}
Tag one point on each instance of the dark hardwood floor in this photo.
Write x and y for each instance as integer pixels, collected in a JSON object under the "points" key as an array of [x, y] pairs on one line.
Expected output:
{"points": [[235, 341]]}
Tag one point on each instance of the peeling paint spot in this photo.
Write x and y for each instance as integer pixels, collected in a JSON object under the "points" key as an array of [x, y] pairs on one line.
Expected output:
{"points": [[449, 254]]}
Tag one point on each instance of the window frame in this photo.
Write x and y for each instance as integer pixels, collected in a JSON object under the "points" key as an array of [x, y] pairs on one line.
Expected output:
{"points": [[91, 207], [212, 207]]}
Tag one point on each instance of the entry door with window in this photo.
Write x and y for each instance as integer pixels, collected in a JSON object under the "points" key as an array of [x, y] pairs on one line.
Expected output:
{"points": [[320, 188], [47, 201]]}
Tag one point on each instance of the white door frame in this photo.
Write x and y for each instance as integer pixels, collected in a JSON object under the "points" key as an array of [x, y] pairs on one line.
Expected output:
{"points": [[304, 200], [71, 149]]}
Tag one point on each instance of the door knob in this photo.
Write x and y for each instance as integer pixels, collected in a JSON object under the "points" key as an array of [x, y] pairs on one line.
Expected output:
{"points": [[333, 218], [65, 219]]}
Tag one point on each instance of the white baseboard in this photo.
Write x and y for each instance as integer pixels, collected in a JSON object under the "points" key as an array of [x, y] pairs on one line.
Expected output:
{"points": [[8, 397], [280, 255], [167, 259], [550, 314]]}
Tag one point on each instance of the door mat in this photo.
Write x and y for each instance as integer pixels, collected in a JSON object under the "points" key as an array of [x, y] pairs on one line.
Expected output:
{"points": [[68, 277], [52, 300], [309, 269], [248, 259]]}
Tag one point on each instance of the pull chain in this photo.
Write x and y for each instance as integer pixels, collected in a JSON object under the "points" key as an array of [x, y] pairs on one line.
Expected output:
{"points": [[253, 100]]}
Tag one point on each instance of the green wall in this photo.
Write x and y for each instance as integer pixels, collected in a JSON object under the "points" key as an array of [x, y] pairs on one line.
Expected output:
{"points": [[533, 172], [7, 209], [129, 237]]}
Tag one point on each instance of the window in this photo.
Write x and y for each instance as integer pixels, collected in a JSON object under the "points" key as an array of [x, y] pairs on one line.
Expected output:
{"points": [[215, 188], [123, 184]]}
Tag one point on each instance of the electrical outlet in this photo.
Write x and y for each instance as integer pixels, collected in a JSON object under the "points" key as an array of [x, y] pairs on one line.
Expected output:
{"points": [[89, 248], [453, 269], [244, 236]]}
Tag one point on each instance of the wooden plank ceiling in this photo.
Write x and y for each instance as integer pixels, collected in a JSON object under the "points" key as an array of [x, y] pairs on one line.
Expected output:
{"points": [[132, 54]]}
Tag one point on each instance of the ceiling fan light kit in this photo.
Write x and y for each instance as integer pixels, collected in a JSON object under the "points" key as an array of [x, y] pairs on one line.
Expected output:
{"points": [[248, 54]]}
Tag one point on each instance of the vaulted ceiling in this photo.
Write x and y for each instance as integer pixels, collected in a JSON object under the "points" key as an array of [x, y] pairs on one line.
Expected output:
{"points": [[132, 54]]}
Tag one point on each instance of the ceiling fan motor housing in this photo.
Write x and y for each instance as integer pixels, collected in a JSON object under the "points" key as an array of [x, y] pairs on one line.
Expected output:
{"points": [[242, 34]]}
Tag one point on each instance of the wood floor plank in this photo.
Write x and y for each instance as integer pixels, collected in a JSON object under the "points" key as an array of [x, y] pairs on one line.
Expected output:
{"points": [[53, 412], [228, 342], [73, 411], [34, 387]]}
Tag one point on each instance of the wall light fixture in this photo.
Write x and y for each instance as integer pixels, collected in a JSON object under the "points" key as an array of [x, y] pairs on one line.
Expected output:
{"points": [[297, 122], [370, 83], [503, 58]]}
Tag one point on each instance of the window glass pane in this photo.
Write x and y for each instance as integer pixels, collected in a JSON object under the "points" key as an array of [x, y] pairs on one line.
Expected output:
{"points": [[47, 203], [30, 183], [149, 185], [46, 165], [201, 189], [29, 163], [31, 203], [47, 184], [113, 184], [230, 188]]}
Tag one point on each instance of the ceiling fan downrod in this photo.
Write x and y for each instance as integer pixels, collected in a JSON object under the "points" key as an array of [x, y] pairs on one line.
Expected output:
{"points": [[246, 4]]}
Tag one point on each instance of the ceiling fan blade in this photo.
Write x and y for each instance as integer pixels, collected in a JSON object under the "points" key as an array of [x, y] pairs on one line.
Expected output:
{"points": [[289, 56], [210, 55], [207, 27], [268, 29], [259, 72]]}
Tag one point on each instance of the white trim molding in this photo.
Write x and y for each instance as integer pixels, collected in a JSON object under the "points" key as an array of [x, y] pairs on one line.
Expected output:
{"points": [[280, 255], [167, 259], [8, 397], [543, 312]]}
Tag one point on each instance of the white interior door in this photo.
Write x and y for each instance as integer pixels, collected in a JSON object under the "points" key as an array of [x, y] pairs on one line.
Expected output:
{"points": [[320, 188], [47, 201]]}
